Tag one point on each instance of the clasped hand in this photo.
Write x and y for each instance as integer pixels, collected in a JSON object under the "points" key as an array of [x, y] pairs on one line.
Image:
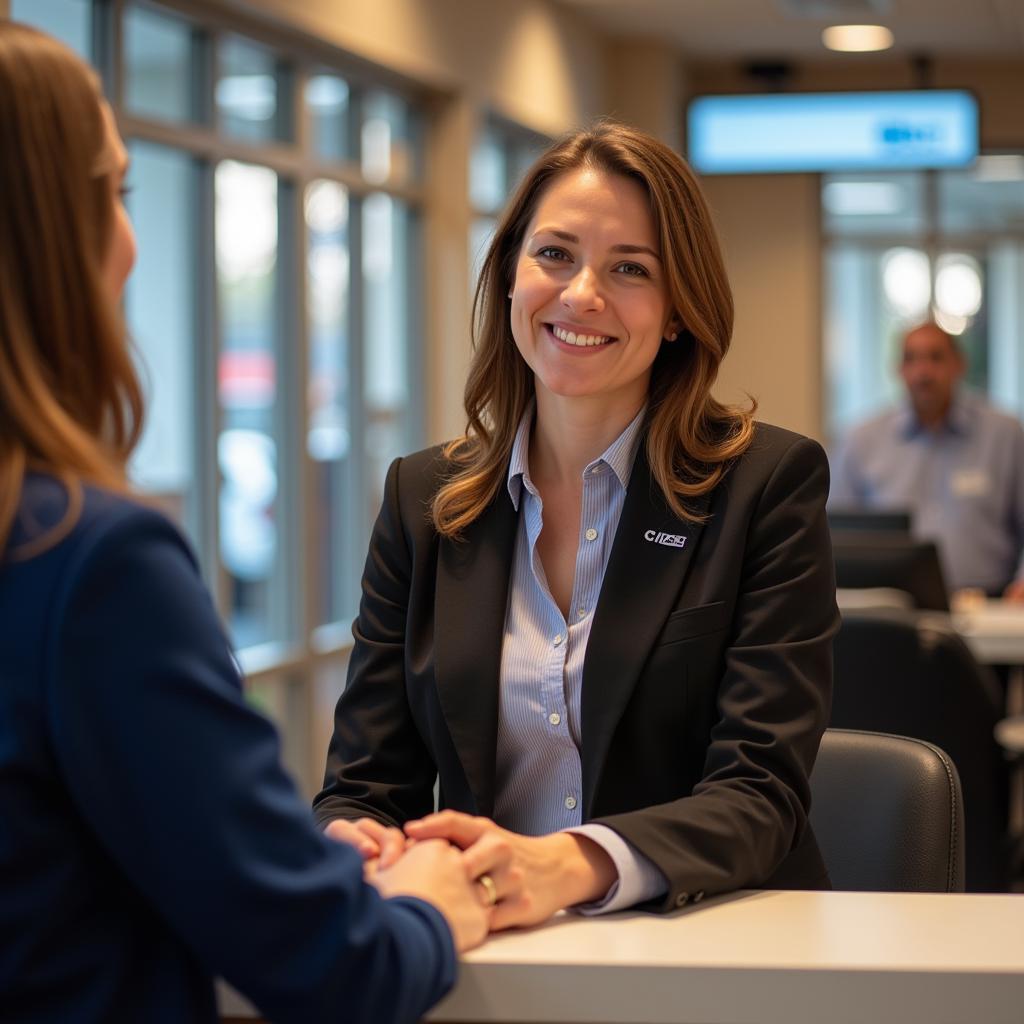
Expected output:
{"points": [[533, 876]]}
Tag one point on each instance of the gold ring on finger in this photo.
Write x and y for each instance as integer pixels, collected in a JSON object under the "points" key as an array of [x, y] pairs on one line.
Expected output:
{"points": [[489, 888]]}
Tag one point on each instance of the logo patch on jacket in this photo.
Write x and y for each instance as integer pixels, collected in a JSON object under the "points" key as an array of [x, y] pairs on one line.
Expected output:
{"points": [[671, 540]]}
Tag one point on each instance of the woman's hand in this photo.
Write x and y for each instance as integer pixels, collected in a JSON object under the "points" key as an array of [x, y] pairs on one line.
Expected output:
{"points": [[534, 876], [375, 843], [436, 872]]}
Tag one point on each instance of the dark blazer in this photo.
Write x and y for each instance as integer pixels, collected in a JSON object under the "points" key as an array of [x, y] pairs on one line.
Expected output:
{"points": [[149, 838], [706, 682]]}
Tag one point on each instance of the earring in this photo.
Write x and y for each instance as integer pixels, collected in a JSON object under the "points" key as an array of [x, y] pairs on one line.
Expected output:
{"points": [[672, 336]]}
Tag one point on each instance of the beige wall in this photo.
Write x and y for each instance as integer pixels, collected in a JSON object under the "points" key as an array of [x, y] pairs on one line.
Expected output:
{"points": [[646, 86], [769, 232], [772, 237]]}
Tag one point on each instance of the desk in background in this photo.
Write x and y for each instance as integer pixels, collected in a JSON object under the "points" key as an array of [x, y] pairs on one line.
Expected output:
{"points": [[994, 631], [760, 958]]}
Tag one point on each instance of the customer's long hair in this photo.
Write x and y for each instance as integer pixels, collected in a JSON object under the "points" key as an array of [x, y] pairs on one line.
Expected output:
{"points": [[690, 437], [70, 402]]}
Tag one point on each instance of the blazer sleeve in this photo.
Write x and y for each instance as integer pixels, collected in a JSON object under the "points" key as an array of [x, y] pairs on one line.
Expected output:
{"points": [[180, 781], [750, 808], [377, 763]]}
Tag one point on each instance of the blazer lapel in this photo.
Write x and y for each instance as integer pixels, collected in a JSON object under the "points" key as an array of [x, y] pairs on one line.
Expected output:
{"points": [[469, 622], [644, 577]]}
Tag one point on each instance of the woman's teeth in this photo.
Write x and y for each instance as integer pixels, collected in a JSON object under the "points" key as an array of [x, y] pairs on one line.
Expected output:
{"points": [[582, 340]]}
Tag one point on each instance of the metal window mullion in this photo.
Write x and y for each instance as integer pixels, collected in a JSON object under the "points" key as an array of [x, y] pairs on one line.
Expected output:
{"points": [[285, 616], [358, 476], [307, 556], [202, 82], [416, 335], [105, 43], [205, 361]]}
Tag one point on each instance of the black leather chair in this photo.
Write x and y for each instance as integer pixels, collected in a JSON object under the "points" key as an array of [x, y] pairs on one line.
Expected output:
{"points": [[909, 673], [887, 813]]}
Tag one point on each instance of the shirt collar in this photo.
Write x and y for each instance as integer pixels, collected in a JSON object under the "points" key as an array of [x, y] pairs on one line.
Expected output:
{"points": [[958, 419], [618, 456]]}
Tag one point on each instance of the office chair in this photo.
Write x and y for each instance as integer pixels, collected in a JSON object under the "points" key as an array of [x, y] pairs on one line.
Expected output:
{"points": [[910, 674], [887, 813]]}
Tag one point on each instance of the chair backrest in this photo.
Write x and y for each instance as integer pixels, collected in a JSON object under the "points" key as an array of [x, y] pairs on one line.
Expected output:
{"points": [[910, 674], [887, 813]]}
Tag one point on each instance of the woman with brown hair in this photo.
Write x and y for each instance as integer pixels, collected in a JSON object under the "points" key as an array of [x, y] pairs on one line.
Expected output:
{"points": [[603, 617], [150, 839]]}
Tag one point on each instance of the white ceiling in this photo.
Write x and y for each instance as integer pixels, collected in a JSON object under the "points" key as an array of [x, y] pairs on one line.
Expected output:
{"points": [[752, 29]]}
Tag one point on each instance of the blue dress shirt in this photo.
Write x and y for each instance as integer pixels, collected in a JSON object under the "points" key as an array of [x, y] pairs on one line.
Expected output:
{"points": [[539, 776], [963, 484]]}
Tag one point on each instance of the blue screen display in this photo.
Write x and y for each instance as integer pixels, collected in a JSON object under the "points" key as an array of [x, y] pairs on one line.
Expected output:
{"points": [[864, 131]]}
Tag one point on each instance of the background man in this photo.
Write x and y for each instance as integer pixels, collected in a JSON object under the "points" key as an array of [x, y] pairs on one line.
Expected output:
{"points": [[949, 458]]}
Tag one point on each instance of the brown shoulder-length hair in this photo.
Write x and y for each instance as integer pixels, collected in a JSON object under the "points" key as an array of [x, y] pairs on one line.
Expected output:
{"points": [[70, 401], [690, 437]]}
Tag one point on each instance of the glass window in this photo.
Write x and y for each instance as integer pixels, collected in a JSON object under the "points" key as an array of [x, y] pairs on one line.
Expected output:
{"points": [[488, 177], [481, 231], [874, 204], [327, 101], [969, 278], [70, 21], [247, 451], [391, 148], [989, 197], [328, 440], [391, 405], [161, 70], [501, 156], [160, 304], [254, 93]]}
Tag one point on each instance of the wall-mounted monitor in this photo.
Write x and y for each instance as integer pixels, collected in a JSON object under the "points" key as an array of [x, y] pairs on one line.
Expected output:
{"points": [[841, 131]]}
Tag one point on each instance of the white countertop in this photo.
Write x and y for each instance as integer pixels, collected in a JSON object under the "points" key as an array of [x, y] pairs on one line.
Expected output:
{"points": [[760, 956]]}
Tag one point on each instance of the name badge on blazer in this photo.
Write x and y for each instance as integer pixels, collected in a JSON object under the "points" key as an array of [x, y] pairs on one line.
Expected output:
{"points": [[970, 483], [671, 540]]}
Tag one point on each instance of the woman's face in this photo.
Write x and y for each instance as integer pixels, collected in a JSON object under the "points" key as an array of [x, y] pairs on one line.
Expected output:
{"points": [[120, 255], [589, 301]]}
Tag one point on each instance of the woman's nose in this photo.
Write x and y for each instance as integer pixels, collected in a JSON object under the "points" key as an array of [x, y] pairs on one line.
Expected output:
{"points": [[583, 293]]}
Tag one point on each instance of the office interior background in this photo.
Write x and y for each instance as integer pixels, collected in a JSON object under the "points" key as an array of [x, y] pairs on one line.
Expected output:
{"points": [[313, 184]]}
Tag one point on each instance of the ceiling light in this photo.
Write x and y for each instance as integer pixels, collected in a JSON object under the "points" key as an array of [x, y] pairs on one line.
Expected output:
{"points": [[857, 38]]}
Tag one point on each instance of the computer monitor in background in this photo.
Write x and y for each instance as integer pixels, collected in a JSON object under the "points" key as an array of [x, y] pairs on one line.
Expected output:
{"points": [[861, 520], [879, 559]]}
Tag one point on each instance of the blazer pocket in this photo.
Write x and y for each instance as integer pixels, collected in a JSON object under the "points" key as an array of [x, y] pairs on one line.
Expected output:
{"points": [[688, 623]]}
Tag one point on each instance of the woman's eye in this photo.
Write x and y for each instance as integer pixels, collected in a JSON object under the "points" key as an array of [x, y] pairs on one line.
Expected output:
{"points": [[551, 252], [633, 270]]}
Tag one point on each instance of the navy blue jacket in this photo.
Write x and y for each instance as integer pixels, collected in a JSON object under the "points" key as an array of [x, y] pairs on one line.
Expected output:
{"points": [[149, 838]]}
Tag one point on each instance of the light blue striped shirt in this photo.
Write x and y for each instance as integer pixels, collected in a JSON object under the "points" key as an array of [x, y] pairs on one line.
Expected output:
{"points": [[539, 774]]}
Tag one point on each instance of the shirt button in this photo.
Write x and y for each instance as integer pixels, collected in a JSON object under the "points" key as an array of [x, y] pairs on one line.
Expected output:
{"points": [[591, 534], [570, 803], [555, 718], [558, 640], [582, 612]]}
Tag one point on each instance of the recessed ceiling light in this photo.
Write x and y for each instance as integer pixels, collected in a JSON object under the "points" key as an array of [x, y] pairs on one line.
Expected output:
{"points": [[857, 38]]}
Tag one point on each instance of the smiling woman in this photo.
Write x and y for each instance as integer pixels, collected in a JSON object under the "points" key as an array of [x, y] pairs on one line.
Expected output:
{"points": [[611, 639], [589, 306]]}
